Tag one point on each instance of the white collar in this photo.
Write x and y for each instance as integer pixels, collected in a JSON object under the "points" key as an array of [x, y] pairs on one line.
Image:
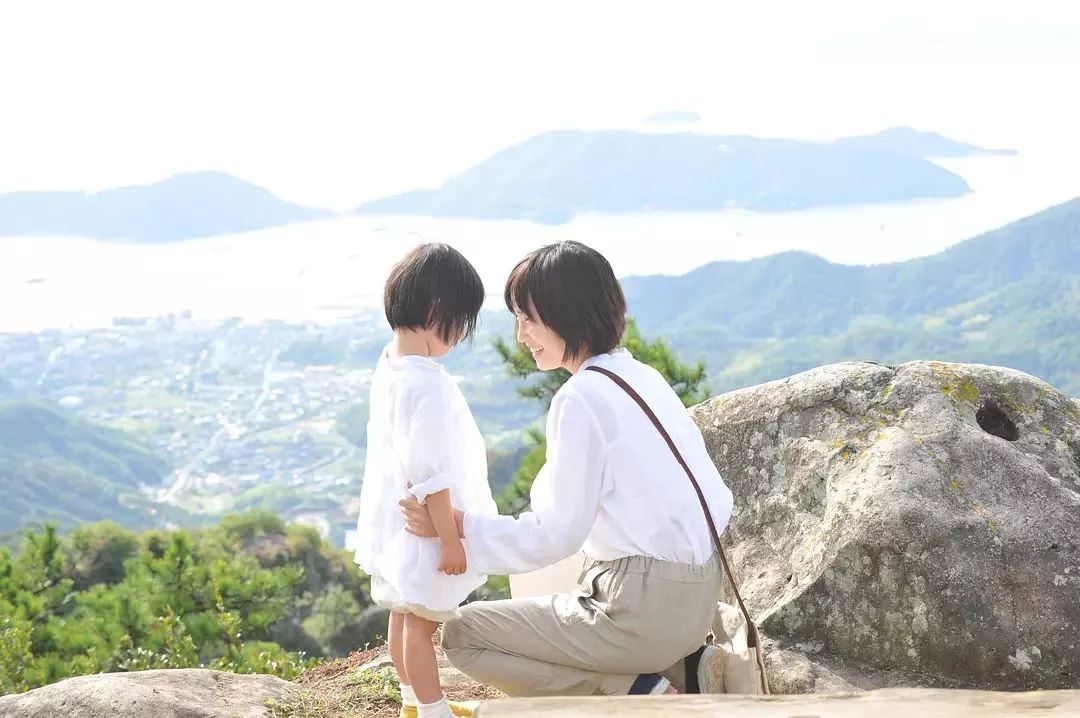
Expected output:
{"points": [[608, 358]]}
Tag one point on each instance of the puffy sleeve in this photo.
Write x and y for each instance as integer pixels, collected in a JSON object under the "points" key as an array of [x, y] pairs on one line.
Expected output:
{"points": [[565, 497], [430, 461]]}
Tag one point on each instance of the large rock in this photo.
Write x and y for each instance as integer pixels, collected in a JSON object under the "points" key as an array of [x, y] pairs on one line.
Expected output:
{"points": [[895, 703], [178, 693], [919, 521]]}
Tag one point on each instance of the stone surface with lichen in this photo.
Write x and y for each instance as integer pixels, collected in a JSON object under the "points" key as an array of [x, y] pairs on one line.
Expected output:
{"points": [[911, 525]]}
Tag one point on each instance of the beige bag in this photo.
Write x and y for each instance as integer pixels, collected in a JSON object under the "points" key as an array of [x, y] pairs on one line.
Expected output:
{"points": [[733, 661], [729, 664]]}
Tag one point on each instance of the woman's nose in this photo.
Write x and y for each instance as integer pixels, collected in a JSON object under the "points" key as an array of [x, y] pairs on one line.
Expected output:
{"points": [[520, 333]]}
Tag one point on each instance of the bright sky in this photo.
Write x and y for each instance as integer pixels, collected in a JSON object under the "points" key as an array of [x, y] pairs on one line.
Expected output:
{"points": [[331, 103]]}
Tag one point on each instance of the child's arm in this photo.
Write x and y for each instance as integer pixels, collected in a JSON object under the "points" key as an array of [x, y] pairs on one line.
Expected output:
{"points": [[453, 561]]}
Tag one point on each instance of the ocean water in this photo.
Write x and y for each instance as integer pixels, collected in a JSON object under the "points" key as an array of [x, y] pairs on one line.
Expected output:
{"points": [[325, 271]]}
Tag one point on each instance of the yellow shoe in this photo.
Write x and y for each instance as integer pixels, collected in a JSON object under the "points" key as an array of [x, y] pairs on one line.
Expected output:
{"points": [[460, 710]]}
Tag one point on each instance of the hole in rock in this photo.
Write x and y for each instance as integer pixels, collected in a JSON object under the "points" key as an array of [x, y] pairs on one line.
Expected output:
{"points": [[994, 421]]}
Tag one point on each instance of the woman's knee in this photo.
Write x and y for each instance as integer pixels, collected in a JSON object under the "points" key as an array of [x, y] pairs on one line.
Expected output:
{"points": [[457, 632], [452, 637]]}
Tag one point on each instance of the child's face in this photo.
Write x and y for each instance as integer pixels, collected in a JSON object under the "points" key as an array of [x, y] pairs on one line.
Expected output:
{"points": [[546, 346]]}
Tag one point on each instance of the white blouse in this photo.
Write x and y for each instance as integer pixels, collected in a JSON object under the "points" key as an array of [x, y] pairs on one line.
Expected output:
{"points": [[422, 439], [611, 486]]}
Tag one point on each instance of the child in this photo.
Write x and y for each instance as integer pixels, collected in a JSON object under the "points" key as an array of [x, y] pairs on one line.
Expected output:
{"points": [[423, 441]]}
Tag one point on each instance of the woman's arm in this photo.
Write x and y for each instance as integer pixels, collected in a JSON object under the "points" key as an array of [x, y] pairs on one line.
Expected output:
{"points": [[565, 498]]}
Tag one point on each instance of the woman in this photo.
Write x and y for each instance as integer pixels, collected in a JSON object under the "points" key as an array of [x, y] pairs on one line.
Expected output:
{"points": [[612, 488]]}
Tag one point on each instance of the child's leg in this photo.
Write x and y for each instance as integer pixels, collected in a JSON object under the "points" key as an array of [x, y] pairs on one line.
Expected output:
{"points": [[396, 635], [420, 664], [395, 632]]}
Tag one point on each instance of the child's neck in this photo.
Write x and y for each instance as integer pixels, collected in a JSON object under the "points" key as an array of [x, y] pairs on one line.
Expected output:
{"points": [[408, 342]]}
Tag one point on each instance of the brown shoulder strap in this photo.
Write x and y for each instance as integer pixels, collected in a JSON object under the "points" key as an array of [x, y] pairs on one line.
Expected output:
{"points": [[751, 627]]}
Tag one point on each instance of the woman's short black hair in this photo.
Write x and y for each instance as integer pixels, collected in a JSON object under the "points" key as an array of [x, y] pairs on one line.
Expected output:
{"points": [[570, 288], [434, 286]]}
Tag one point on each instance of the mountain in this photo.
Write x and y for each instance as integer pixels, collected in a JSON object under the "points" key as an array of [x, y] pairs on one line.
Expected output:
{"points": [[57, 467], [556, 175], [185, 206], [1009, 297], [907, 141]]}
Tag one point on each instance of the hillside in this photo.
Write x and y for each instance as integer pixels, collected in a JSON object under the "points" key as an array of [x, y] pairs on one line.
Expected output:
{"points": [[556, 175], [250, 594], [906, 140], [57, 467], [185, 206], [1008, 297]]}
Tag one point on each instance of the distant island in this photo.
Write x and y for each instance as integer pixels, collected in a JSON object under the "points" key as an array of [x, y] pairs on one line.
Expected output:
{"points": [[548, 179], [905, 140], [556, 175], [185, 206]]}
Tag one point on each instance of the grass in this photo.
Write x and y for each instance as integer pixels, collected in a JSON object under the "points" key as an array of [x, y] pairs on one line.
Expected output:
{"points": [[340, 690]]}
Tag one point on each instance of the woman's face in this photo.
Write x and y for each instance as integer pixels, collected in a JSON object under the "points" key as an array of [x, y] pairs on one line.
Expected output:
{"points": [[546, 346]]}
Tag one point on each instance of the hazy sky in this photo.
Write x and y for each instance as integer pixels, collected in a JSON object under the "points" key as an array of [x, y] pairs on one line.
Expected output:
{"points": [[330, 103]]}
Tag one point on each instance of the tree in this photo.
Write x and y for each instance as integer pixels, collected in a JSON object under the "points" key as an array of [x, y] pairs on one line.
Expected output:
{"points": [[97, 552], [332, 614], [232, 597], [688, 381]]}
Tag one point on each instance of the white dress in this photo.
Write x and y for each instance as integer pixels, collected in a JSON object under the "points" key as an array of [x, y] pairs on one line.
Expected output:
{"points": [[422, 438]]}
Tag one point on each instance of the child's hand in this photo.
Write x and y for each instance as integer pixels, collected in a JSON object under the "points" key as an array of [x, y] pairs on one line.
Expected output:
{"points": [[453, 561]]}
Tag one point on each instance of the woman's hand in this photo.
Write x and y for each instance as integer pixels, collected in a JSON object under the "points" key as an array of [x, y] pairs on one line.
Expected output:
{"points": [[418, 521]]}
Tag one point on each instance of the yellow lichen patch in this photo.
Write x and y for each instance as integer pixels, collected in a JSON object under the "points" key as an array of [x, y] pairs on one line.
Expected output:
{"points": [[963, 390], [968, 392]]}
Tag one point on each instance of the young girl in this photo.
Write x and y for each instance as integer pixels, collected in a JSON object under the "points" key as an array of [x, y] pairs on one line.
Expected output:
{"points": [[422, 442]]}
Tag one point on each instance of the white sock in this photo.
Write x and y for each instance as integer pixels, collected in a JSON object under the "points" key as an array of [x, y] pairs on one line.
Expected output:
{"points": [[408, 696], [438, 709]]}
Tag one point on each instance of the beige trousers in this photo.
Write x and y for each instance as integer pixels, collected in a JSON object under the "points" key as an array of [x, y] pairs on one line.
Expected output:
{"points": [[627, 617]]}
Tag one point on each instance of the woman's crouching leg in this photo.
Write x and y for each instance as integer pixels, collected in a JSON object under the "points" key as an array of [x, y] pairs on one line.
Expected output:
{"points": [[522, 648]]}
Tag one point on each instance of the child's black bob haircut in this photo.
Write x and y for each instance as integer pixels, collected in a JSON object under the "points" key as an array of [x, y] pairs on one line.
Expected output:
{"points": [[571, 289], [434, 286]]}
